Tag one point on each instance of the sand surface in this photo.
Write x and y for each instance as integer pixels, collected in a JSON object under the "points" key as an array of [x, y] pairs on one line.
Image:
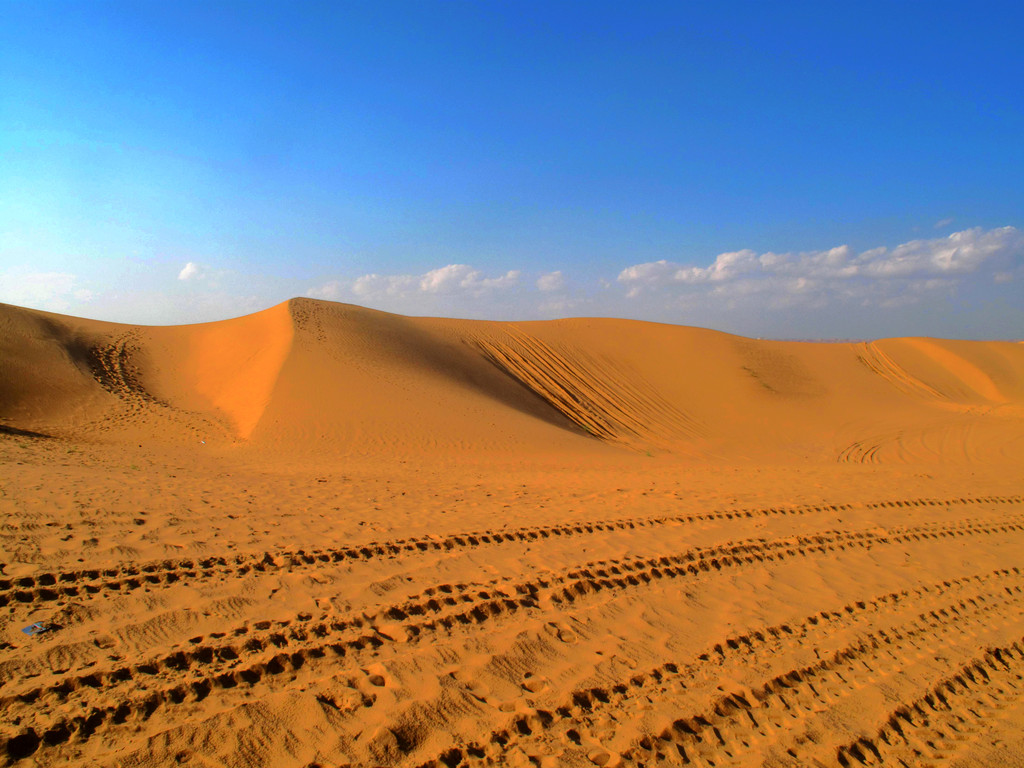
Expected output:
{"points": [[322, 535]]}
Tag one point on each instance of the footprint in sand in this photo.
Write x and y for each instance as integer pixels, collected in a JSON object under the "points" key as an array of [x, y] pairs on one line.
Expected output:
{"points": [[605, 758], [394, 631], [535, 683], [478, 690], [562, 631], [376, 675]]}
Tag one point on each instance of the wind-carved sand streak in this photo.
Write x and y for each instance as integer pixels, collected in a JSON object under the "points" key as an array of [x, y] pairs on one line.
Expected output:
{"points": [[872, 356], [616, 407]]}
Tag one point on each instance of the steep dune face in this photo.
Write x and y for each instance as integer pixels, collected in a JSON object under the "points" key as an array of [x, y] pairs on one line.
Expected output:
{"points": [[324, 377], [961, 372], [228, 368]]}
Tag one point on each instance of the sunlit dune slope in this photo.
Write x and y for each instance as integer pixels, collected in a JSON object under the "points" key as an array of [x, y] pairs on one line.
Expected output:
{"points": [[319, 376]]}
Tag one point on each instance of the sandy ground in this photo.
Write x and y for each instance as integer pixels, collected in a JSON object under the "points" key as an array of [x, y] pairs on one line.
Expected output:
{"points": [[325, 536]]}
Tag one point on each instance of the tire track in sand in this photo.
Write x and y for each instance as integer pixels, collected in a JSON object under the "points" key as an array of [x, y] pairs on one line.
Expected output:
{"points": [[92, 582], [259, 659], [939, 726], [729, 715], [447, 606], [774, 714]]}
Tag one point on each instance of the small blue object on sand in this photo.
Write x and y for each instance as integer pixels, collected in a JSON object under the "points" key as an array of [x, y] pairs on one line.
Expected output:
{"points": [[35, 629]]}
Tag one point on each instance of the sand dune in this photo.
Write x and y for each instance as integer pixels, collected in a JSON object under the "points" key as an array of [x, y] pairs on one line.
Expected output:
{"points": [[311, 375], [326, 535]]}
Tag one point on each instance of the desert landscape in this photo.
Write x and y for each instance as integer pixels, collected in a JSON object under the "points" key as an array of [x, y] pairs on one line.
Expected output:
{"points": [[322, 535]]}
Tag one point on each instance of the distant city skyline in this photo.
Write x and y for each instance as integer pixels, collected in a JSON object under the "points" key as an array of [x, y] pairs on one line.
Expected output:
{"points": [[786, 171]]}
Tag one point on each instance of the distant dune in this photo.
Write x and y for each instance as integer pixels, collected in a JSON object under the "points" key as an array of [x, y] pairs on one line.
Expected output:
{"points": [[312, 375], [322, 535]]}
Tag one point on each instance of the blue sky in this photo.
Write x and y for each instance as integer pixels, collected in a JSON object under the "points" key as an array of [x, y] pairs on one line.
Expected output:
{"points": [[806, 170]]}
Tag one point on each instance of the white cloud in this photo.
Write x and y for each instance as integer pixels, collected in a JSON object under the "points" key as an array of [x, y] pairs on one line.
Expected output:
{"points": [[383, 285], [873, 276], [551, 281], [960, 253], [189, 271], [942, 223], [450, 280], [331, 291], [461, 277], [50, 291], [446, 278]]}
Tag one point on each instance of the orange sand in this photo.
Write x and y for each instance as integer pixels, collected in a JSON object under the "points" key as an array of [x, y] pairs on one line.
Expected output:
{"points": [[325, 535]]}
